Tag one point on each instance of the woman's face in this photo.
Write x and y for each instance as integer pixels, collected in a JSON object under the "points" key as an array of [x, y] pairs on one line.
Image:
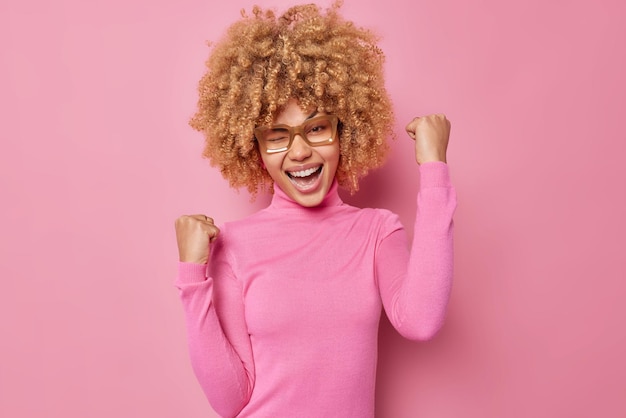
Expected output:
{"points": [[303, 172]]}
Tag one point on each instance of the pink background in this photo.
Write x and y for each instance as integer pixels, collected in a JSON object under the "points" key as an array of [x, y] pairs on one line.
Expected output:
{"points": [[97, 160]]}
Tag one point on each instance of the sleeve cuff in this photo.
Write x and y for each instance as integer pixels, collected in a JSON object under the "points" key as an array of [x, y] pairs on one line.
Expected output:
{"points": [[189, 273], [434, 174]]}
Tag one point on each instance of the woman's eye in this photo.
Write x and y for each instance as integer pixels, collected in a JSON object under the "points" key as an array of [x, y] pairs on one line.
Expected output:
{"points": [[277, 136], [276, 139], [317, 129]]}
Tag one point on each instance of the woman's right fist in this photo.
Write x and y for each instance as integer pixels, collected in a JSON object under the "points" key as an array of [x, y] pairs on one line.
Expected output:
{"points": [[194, 234]]}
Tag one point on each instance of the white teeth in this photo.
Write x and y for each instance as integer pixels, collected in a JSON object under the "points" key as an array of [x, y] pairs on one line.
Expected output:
{"points": [[303, 173]]}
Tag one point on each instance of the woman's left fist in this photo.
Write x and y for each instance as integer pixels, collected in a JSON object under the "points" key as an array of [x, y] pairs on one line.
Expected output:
{"points": [[431, 134]]}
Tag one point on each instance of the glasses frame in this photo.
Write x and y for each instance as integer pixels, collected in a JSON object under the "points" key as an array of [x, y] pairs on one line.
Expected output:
{"points": [[297, 130]]}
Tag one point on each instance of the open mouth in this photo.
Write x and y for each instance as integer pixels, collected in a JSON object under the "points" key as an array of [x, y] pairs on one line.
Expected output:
{"points": [[305, 179]]}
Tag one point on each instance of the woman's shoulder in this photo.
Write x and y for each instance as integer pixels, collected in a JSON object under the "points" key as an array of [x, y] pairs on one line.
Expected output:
{"points": [[379, 217], [249, 221]]}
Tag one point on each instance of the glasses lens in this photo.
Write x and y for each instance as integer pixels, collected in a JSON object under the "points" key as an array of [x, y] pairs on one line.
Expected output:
{"points": [[276, 138], [318, 129]]}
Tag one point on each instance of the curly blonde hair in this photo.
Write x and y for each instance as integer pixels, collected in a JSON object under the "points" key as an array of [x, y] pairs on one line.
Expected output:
{"points": [[322, 60]]}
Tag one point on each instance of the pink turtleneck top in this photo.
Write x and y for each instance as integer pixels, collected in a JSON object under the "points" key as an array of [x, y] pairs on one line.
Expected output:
{"points": [[284, 321]]}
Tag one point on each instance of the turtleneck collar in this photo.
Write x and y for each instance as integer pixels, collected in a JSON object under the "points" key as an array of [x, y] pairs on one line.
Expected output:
{"points": [[280, 200]]}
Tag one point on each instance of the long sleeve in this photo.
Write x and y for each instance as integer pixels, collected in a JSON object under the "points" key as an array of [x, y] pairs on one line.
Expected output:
{"points": [[415, 286], [301, 289], [219, 344]]}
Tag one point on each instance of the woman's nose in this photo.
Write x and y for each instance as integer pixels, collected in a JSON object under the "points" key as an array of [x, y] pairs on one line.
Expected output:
{"points": [[299, 150]]}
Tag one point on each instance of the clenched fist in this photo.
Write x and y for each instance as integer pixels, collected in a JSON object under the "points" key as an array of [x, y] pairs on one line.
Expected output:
{"points": [[431, 134], [194, 234]]}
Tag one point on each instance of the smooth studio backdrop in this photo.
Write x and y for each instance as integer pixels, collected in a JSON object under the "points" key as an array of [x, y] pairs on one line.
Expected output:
{"points": [[97, 161]]}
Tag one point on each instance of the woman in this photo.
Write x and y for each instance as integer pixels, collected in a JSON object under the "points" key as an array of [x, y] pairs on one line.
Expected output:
{"points": [[282, 307]]}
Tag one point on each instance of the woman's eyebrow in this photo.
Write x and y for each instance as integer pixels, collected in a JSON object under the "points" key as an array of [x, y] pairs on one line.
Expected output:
{"points": [[312, 115], [315, 112]]}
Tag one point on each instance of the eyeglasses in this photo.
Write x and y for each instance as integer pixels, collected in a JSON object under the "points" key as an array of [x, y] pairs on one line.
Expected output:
{"points": [[317, 131]]}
